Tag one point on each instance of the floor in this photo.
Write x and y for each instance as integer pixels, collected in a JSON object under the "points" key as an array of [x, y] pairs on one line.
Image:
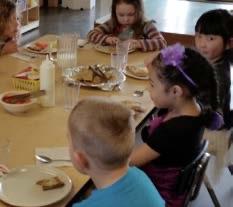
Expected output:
{"points": [[171, 15]]}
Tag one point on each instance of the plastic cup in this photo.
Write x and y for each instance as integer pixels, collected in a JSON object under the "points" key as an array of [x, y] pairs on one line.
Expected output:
{"points": [[118, 61], [71, 93]]}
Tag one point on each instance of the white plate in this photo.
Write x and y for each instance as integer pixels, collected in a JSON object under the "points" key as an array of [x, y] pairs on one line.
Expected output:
{"points": [[108, 49], [118, 77], [19, 188], [129, 74], [43, 52]]}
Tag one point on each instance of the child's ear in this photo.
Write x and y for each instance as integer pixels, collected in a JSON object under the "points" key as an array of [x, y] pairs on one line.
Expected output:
{"points": [[176, 91], [81, 161]]}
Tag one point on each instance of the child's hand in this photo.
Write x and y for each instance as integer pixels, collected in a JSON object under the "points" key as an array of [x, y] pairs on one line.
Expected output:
{"points": [[3, 169], [134, 44], [111, 40], [149, 60], [10, 47]]}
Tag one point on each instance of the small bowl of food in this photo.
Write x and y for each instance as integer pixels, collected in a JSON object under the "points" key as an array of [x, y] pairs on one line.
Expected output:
{"points": [[14, 104]]}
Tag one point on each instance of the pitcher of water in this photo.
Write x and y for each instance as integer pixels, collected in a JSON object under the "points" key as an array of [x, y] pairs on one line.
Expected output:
{"points": [[67, 51]]}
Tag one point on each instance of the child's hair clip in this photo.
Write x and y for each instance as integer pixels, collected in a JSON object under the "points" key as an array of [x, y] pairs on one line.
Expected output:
{"points": [[173, 55]]}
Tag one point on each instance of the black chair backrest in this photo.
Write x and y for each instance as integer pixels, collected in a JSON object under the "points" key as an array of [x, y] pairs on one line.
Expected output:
{"points": [[191, 176]]}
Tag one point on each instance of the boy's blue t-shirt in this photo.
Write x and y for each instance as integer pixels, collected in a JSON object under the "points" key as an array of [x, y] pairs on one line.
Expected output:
{"points": [[134, 189]]}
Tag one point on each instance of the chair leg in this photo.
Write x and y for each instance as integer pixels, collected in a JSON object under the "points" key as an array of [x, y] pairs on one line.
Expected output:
{"points": [[211, 192]]}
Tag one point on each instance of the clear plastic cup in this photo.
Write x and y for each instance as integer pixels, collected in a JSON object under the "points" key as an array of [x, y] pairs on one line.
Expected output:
{"points": [[118, 61], [123, 46], [71, 93]]}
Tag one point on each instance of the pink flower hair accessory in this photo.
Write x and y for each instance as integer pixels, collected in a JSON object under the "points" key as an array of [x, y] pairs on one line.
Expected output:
{"points": [[174, 55]]}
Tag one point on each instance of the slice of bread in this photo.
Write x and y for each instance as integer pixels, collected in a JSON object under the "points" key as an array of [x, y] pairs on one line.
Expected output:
{"points": [[50, 183], [138, 71]]}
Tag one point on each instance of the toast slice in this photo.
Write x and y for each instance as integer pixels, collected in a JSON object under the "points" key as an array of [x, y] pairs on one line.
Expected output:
{"points": [[138, 71], [50, 183]]}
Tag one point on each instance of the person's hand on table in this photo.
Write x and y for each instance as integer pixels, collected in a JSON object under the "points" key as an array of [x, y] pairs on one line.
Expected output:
{"points": [[148, 61], [3, 169], [111, 40], [10, 47], [134, 44]]}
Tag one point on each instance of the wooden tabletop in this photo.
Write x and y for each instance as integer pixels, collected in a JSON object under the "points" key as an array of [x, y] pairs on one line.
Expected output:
{"points": [[46, 127]]}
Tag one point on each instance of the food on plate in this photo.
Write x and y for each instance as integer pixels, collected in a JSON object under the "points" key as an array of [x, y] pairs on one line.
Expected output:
{"points": [[28, 73], [11, 99], [38, 46], [137, 71], [109, 49], [50, 183], [105, 49], [94, 74], [134, 106]]}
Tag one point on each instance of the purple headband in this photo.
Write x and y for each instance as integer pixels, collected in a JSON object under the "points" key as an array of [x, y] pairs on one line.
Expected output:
{"points": [[173, 55]]}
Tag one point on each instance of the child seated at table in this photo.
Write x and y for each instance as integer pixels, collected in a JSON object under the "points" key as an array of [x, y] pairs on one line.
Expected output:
{"points": [[214, 33], [101, 137], [9, 27], [183, 88], [128, 15], [213, 39]]}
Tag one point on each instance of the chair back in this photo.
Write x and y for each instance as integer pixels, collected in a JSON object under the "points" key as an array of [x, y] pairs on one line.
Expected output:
{"points": [[191, 176]]}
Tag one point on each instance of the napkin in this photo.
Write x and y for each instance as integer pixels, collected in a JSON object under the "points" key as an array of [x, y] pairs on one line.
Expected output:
{"points": [[82, 42], [24, 55], [54, 153]]}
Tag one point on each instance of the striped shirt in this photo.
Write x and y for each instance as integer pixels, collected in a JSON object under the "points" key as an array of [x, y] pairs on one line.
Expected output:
{"points": [[151, 39]]}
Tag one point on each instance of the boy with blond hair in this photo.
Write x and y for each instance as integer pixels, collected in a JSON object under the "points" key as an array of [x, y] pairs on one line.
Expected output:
{"points": [[101, 136]]}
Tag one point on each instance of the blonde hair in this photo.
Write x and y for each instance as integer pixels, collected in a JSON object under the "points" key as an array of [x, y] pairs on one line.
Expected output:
{"points": [[104, 130], [7, 7]]}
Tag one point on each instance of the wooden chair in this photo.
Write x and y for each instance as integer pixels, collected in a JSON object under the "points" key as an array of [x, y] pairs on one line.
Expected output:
{"points": [[192, 175]]}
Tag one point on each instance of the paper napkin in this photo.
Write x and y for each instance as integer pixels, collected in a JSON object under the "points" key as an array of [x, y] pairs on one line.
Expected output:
{"points": [[55, 153]]}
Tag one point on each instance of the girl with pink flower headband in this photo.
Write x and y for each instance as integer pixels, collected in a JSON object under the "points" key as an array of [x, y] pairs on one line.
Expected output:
{"points": [[183, 88]]}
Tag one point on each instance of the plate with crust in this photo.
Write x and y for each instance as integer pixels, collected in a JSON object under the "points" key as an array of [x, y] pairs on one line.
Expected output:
{"points": [[100, 76], [108, 49], [137, 72], [40, 48], [19, 187]]}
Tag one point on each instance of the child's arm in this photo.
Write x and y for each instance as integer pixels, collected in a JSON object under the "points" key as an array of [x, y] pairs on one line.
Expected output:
{"points": [[153, 39], [102, 34], [9, 47], [142, 155]]}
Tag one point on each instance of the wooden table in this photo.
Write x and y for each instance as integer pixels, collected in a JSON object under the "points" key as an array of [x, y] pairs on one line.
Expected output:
{"points": [[46, 127]]}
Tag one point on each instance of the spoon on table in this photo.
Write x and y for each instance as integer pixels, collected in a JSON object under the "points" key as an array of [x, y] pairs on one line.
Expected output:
{"points": [[46, 159], [138, 93]]}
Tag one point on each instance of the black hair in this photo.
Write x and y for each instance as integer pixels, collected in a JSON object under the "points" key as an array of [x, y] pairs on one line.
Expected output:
{"points": [[216, 22], [139, 8], [200, 71]]}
